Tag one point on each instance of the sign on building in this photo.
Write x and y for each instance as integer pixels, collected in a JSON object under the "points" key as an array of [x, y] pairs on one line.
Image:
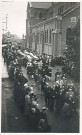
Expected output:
{"points": [[73, 19]]}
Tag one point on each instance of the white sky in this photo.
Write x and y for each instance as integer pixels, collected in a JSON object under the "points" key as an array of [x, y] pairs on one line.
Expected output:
{"points": [[16, 10]]}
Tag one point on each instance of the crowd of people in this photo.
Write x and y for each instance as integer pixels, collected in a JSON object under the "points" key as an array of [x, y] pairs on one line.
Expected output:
{"points": [[61, 95]]}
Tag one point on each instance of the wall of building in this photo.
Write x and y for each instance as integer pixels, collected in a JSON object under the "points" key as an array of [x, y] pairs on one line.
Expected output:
{"points": [[38, 29], [66, 23], [59, 45], [51, 25]]}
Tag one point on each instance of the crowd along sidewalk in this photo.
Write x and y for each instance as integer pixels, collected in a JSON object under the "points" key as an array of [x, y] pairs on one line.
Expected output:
{"points": [[57, 122]]}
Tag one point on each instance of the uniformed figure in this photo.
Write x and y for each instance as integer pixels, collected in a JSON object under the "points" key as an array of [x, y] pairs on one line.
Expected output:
{"points": [[69, 96], [57, 91], [44, 117], [51, 97], [57, 73], [43, 83], [27, 104], [22, 99], [62, 98], [35, 75], [43, 73], [46, 92], [69, 105], [61, 83], [66, 109], [11, 71]]}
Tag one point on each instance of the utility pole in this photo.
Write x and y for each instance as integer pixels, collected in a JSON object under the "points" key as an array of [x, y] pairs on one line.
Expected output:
{"points": [[6, 22]]}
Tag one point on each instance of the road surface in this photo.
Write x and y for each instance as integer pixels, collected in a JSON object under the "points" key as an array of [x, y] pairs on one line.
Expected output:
{"points": [[14, 121]]}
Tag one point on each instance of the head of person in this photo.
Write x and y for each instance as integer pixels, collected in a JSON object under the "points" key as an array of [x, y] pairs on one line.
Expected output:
{"points": [[44, 109], [26, 86], [54, 87], [47, 84], [33, 110], [57, 70], [63, 87], [70, 89], [63, 78]]}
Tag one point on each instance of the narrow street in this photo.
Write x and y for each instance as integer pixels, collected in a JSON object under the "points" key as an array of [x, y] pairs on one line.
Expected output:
{"points": [[40, 81], [14, 121]]}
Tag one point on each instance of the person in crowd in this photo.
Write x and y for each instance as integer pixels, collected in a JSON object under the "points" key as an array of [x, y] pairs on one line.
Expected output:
{"points": [[69, 95], [61, 83], [51, 97], [57, 93], [62, 97], [43, 83], [46, 93], [57, 73], [27, 104]]}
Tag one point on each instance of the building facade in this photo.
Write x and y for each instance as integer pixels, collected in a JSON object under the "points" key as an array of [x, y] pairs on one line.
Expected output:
{"points": [[47, 24]]}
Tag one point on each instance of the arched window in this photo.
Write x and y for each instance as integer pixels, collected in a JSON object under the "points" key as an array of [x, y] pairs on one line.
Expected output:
{"points": [[40, 15], [33, 37], [50, 35], [37, 36], [47, 36]]}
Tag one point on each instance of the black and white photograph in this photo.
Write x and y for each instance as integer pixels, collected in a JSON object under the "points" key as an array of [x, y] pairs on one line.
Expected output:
{"points": [[40, 58]]}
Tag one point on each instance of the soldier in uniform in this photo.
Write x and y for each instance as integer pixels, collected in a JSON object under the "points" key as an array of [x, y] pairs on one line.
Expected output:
{"points": [[27, 104], [57, 92], [57, 73], [51, 97], [43, 83], [46, 92]]}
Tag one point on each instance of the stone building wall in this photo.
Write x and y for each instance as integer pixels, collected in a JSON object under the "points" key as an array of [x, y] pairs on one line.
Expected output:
{"points": [[66, 23], [54, 44]]}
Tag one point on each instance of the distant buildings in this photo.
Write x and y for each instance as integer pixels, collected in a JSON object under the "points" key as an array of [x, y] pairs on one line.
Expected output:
{"points": [[47, 24], [9, 38]]}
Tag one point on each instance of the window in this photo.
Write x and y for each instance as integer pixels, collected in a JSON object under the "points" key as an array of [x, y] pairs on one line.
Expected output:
{"points": [[60, 9], [33, 37], [40, 37], [37, 36], [40, 15], [50, 35], [36, 14], [51, 14], [52, 30], [47, 36]]}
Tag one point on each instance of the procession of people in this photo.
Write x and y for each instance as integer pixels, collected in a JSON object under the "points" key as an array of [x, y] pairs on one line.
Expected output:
{"points": [[61, 96]]}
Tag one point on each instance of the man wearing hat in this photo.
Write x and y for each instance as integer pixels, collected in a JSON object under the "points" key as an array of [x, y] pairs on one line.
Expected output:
{"points": [[46, 92], [57, 74]]}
